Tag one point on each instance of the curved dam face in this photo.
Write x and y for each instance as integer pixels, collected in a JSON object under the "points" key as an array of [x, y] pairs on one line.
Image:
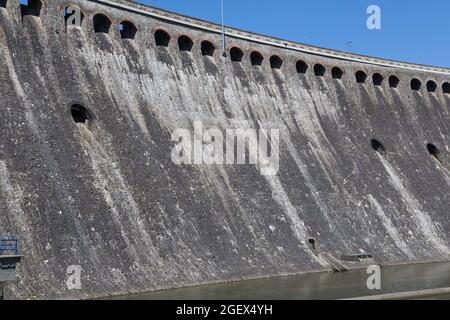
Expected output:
{"points": [[86, 171]]}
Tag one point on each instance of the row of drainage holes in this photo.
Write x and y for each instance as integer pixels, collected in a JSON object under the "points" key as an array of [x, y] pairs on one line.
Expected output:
{"points": [[128, 31], [162, 39], [81, 115], [101, 22], [416, 84], [379, 147]]}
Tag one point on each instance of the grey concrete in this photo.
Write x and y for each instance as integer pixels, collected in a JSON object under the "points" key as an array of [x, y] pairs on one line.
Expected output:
{"points": [[106, 196]]}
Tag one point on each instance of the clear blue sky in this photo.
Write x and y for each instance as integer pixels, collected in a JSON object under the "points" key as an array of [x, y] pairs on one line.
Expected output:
{"points": [[415, 31]]}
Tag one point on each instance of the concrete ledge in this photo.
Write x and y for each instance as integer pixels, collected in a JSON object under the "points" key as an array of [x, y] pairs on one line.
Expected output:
{"points": [[406, 295]]}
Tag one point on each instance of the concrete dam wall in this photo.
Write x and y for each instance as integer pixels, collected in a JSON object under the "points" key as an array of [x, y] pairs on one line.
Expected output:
{"points": [[87, 178]]}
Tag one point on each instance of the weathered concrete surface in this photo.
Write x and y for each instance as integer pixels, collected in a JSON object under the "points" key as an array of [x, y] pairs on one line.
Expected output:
{"points": [[106, 195]]}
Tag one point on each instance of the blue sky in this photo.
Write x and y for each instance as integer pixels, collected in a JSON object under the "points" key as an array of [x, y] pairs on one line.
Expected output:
{"points": [[415, 31]]}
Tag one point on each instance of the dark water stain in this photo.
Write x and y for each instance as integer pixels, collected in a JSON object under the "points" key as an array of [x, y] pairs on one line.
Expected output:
{"points": [[224, 105], [76, 37], [33, 30], [163, 55], [447, 100], [259, 75], [186, 62], [103, 42], [135, 60], [439, 117], [239, 73], [279, 81], [305, 82], [322, 84], [225, 110], [210, 66], [132, 51]]}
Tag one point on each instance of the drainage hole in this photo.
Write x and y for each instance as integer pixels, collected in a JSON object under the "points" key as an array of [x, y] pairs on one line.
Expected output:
{"points": [[80, 114], [378, 146]]}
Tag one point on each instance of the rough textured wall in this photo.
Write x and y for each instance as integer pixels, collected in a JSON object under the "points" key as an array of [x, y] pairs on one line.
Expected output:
{"points": [[105, 195]]}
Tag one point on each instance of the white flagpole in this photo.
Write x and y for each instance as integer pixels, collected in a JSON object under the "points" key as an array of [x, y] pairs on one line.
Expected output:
{"points": [[223, 32]]}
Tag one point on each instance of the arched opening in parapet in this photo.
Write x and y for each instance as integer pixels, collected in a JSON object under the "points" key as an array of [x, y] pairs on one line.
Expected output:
{"points": [[337, 73], [102, 24], [446, 88], [185, 43], [207, 48], [30, 7], [162, 38], [431, 86], [319, 70], [127, 30], [416, 84], [377, 79], [276, 62], [71, 16], [80, 114], [236, 54], [393, 81], [256, 58], [360, 76], [3, 3], [377, 146], [301, 66]]}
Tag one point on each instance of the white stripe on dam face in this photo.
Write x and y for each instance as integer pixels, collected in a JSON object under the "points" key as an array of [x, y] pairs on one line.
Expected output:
{"points": [[421, 218], [390, 228]]}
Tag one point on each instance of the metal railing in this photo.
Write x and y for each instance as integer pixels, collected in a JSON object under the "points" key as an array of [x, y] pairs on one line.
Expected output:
{"points": [[8, 245]]}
